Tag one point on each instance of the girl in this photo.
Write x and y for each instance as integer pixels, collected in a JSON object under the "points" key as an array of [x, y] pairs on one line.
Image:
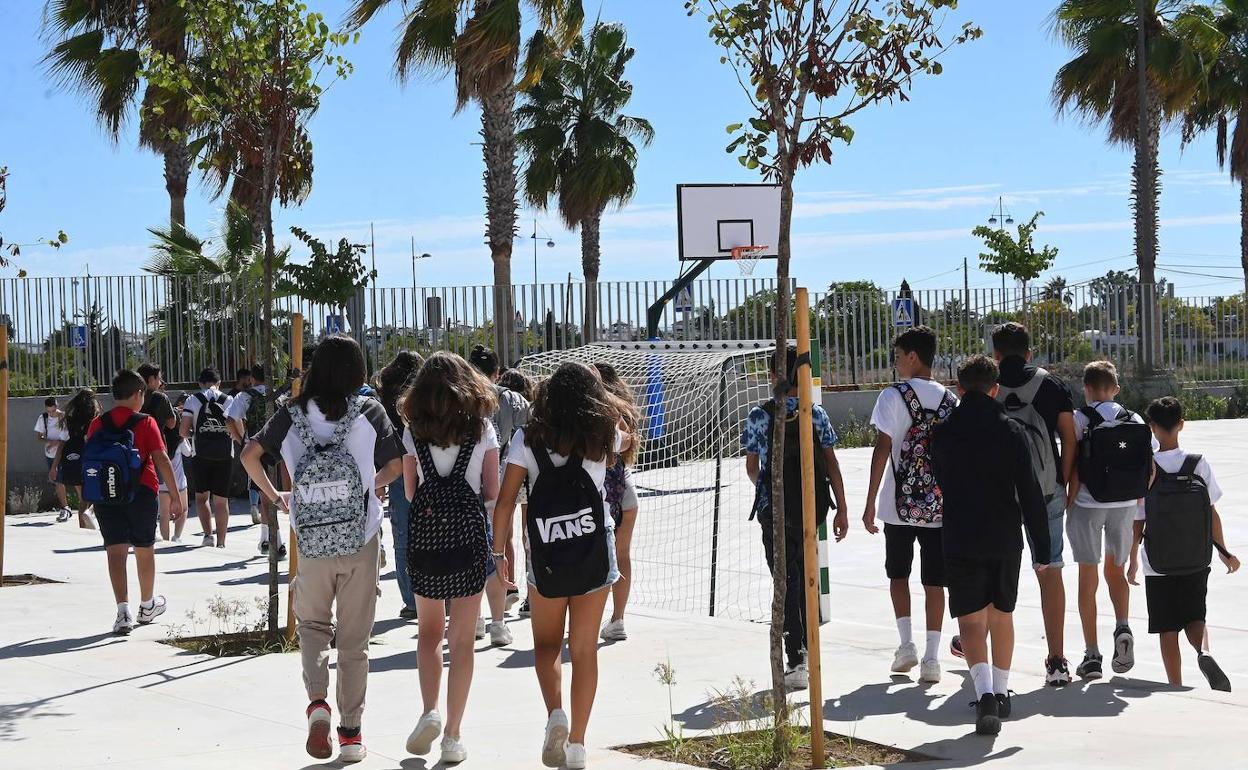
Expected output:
{"points": [[622, 499], [573, 417], [67, 465], [517, 382], [329, 416], [392, 382], [449, 434], [178, 451]]}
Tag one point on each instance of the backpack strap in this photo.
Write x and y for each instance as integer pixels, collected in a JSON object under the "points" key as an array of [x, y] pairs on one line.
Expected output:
{"points": [[1028, 391], [541, 456], [303, 428], [1094, 417], [911, 399], [423, 456], [344, 425], [463, 458], [199, 396], [1189, 465], [948, 403]]}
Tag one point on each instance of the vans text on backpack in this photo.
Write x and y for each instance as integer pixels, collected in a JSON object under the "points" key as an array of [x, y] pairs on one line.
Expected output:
{"points": [[918, 498], [447, 547], [1020, 407], [329, 503], [793, 515], [1115, 456], [211, 433], [111, 463], [1178, 521], [567, 529]]}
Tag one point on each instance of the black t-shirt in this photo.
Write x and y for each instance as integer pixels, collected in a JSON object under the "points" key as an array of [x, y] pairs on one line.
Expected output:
{"points": [[158, 405], [1052, 399]]}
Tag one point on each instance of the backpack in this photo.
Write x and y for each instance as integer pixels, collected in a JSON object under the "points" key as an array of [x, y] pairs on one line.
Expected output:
{"points": [[511, 415], [1115, 457], [111, 463], [211, 435], [794, 517], [447, 552], [71, 458], [1020, 407], [567, 529], [918, 499], [257, 410], [328, 496], [1178, 521]]}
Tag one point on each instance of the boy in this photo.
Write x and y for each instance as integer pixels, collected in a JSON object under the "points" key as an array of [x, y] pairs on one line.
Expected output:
{"points": [[133, 524], [204, 422], [157, 404], [1091, 520], [911, 511], [1176, 602], [247, 414], [52, 433], [756, 439], [983, 465]]}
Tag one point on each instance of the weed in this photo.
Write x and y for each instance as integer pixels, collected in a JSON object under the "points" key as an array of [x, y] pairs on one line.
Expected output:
{"points": [[227, 627], [855, 433], [24, 500]]}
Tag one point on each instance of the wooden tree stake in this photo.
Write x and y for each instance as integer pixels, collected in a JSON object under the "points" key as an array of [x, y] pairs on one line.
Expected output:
{"points": [[296, 364]]}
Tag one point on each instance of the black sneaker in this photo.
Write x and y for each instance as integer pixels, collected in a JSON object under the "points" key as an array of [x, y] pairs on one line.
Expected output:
{"points": [[1056, 671], [524, 610], [408, 613], [1124, 650], [281, 553], [987, 715], [955, 647], [1090, 668], [1003, 705], [1213, 673]]}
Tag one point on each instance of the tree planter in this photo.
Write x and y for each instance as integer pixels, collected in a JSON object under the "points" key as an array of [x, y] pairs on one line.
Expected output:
{"points": [[751, 750]]}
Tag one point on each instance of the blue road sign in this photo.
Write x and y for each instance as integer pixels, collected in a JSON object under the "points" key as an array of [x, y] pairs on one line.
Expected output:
{"points": [[903, 312], [78, 337], [333, 324], [684, 301]]}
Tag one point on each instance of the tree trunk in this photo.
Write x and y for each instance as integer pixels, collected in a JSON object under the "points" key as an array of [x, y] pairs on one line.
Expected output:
{"points": [[1243, 231], [1147, 173], [498, 134], [177, 173], [248, 192], [591, 260]]}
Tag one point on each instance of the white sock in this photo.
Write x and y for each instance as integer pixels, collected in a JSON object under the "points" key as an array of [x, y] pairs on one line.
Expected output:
{"points": [[150, 603], [264, 533], [1000, 680], [981, 677], [904, 630], [279, 537], [123, 607], [932, 651]]}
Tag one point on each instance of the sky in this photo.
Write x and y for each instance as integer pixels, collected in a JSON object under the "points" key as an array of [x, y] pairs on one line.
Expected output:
{"points": [[900, 202]]}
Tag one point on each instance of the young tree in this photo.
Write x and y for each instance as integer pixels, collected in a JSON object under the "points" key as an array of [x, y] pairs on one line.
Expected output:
{"points": [[9, 250], [806, 67], [329, 278], [1015, 257]]}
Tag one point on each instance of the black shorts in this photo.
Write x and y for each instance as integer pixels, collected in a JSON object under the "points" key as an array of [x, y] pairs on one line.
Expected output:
{"points": [[976, 583], [899, 553], [133, 523], [1174, 601], [212, 476]]}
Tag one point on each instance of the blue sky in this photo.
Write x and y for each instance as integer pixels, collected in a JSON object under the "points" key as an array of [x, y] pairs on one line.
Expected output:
{"points": [[899, 202]]}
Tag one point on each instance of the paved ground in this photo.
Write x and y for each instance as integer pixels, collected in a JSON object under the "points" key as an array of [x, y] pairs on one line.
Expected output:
{"points": [[72, 696]]}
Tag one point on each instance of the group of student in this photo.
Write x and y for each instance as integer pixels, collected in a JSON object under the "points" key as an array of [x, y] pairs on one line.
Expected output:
{"points": [[965, 475]]}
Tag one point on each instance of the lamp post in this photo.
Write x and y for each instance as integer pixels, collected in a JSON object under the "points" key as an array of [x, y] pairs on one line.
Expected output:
{"points": [[550, 244], [415, 257], [1001, 217]]}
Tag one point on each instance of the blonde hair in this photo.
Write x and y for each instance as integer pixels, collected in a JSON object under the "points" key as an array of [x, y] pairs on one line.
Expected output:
{"points": [[1100, 375]]}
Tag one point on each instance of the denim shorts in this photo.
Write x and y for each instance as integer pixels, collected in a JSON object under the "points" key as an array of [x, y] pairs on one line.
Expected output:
{"points": [[613, 571], [1057, 512]]}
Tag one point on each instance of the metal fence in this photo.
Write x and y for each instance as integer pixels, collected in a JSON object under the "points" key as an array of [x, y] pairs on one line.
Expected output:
{"points": [[70, 332]]}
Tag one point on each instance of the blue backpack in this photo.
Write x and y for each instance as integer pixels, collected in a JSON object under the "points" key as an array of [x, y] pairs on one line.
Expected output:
{"points": [[110, 462]]}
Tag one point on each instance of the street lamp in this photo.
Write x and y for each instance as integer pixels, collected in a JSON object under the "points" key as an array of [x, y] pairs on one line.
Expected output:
{"points": [[550, 244], [415, 257], [1001, 217]]}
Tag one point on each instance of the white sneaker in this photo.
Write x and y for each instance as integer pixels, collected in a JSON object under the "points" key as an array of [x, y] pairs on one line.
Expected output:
{"points": [[177, 540], [208, 541], [929, 671], [453, 751], [425, 733], [63, 515], [613, 631], [555, 744], [480, 632], [255, 515], [123, 624], [500, 634], [906, 658], [513, 598], [797, 678], [382, 557], [575, 758], [90, 520], [149, 613]]}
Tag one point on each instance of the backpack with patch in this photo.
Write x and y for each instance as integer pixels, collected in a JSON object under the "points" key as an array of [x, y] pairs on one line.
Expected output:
{"points": [[1020, 407], [1115, 456], [793, 514], [211, 434], [1178, 521], [329, 501], [447, 549], [257, 410], [919, 500], [567, 529], [111, 463]]}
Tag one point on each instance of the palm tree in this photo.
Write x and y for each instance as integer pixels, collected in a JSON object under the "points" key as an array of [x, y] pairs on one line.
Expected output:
{"points": [[579, 146], [480, 42]]}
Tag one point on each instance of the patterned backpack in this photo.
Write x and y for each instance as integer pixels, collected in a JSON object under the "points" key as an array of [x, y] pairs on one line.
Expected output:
{"points": [[329, 502], [918, 498], [447, 550]]}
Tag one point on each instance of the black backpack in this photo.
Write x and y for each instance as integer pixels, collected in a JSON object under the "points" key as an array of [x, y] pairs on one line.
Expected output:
{"points": [[1115, 457], [212, 436], [567, 529], [71, 457], [793, 514], [447, 551], [1178, 521]]}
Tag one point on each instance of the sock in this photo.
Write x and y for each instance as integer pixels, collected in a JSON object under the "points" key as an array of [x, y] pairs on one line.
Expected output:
{"points": [[264, 533], [981, 677], [279, 537], [349, 732], [123, 607], [1000, 680], [1092, 650], [932, 651], [1124, 622], [150, 603], [904, 630]]}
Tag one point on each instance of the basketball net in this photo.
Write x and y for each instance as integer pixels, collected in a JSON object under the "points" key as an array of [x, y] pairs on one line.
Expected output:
{"points": [[747, 257]]}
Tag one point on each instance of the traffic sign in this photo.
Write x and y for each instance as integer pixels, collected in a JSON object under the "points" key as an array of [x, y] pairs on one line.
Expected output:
{"points": [[78, 337], [684, 300], [333, 324], [903, 311]]}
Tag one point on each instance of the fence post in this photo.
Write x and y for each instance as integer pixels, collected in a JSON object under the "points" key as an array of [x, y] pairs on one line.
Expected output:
{"points": [[296, 365], [4, 439]]}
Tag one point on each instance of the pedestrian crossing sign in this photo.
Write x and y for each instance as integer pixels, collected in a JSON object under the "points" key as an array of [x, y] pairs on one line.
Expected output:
{"points": [[903, 311]]}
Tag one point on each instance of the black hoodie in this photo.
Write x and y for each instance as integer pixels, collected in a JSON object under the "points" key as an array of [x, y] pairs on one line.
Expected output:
{"points": [[983, 468]]}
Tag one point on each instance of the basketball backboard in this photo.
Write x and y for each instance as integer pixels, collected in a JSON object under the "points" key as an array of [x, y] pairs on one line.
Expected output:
{"points": [[713, 219]]}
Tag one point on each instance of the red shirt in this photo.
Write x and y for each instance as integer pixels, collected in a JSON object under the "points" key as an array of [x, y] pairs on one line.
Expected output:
{"points": [[147, 439]]}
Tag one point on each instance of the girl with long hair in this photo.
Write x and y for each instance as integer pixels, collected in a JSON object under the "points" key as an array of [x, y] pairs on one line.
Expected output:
{"points": [[392, 383], [67, 465], [622, 499]]}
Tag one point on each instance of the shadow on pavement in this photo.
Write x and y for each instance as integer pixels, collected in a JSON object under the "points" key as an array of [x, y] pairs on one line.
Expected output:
{"points": [[48, 646], [917, 702], [226, 567], [969, 750], [722, 710]]}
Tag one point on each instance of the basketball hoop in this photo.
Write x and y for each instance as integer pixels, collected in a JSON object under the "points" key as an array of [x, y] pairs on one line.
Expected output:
{"points": [[747, 257]]}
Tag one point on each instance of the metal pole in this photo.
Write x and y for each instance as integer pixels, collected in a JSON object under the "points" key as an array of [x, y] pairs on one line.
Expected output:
{"points": [[966, 293], [715, 442]]}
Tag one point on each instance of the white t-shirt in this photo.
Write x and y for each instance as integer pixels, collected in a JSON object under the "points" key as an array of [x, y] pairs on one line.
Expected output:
{"points": [[1109, 410], [892, 418], [520, 454], [444, 457], [1171, 461], [192, 406], [237, 410], [52, 430]]}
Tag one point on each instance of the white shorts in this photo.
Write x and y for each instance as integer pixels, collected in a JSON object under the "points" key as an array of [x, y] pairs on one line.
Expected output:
{"points": [[179, 472]]}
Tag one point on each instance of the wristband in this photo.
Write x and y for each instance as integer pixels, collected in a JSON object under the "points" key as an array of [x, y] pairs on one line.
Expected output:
{"points": [[499, 556]]}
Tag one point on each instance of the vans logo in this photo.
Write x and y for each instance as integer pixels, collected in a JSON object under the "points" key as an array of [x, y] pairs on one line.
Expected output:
{"points": [[324, 492], [568, 526]]}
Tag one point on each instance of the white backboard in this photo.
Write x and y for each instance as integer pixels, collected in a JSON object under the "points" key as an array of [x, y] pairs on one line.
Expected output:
{"points": [[715, 218]]}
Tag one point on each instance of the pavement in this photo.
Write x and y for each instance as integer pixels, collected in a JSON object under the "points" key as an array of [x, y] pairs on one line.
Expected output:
{"points": [[73, 696]]}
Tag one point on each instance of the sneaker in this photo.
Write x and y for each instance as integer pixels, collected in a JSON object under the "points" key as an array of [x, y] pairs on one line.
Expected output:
{"points": [[1124, 650], [797, 677], [614, 631], [383, 558], [1004, 709], [480, 632], [1213, 672], [513, 596], [264, 547], [351, 745], [63, 515], [929, 671], [408, 613], [255, 515], [177, 540], [89, 521], [500, 634], [955, 647], [524, 610], [987, 715], [453, 751], [1090, 668], [555, 744], [906, 658], [319, 717], [221, 545], [281, 553], [424, 734], [1056, 671], [575, 756], [148, 614], [123, 624], [208, 541]]}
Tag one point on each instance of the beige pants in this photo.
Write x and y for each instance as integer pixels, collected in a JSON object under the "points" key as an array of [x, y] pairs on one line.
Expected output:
{"points": [[351, 582]]}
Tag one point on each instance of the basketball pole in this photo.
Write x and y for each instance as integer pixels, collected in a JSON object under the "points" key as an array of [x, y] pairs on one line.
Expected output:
{"points": [[296, 365], [4, 438], [806, 428]]}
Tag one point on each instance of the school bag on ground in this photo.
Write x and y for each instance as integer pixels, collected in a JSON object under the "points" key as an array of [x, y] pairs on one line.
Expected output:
{"points": [[793, 514], [567, 529], [111, 463], [1020, 407], [212, 436], [1115, 456], [447, 551], [918, 499], [329, 502], [1178, 521]]}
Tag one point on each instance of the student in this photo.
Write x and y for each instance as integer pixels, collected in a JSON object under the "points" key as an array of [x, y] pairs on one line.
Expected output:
{"points": [[756, 438], [564, 450], [49, 429], [393, 381], [1176, 597], [983, 464], [622, 501], [81, 410], [516, 381], [450, 474], [336, 515], [904, 416], [248, 412], [131, 523], [205, 424], [160, 408], [243, 381], [1106, 513]]}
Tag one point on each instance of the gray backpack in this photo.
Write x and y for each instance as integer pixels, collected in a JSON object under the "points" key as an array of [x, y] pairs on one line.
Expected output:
{"points": [[329, 500], [1019, 407], [512, 415]]}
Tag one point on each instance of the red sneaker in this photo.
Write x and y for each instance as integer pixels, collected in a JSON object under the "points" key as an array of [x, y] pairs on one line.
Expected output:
{"points": [[351, 745], [319, 720]]}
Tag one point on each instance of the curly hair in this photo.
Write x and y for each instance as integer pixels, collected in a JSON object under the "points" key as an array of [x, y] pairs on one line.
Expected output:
{"points": [[80, 411], [448, 402], [517, 381], [574, 413], [626, 403], [395, 376]]}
